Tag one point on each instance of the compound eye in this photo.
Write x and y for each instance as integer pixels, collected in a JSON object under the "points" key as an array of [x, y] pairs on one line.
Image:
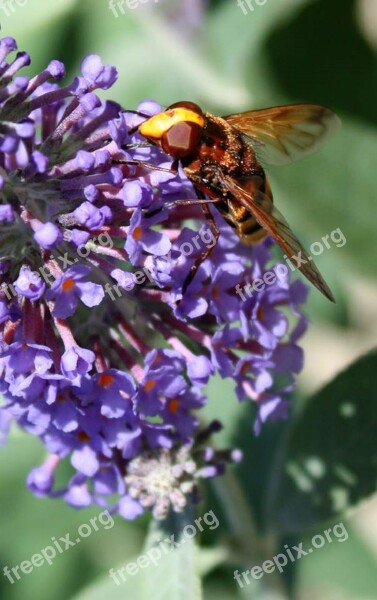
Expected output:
{"points": [[181, 139], [187, 105]]}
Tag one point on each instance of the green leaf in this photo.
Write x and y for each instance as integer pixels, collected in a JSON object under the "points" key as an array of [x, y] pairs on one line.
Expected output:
{"points": [[348, 567], [175, 572], [330, 458], [106, 588], [210, 558], [220, 590]]}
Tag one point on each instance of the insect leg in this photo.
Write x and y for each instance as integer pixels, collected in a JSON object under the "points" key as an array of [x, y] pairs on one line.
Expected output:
{"points": [[192, 202], [184, 202], [141, 163], [205, 254]]}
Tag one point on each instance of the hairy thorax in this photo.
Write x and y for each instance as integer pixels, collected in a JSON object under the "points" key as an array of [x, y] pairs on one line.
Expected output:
{"points": [[222, 151]]}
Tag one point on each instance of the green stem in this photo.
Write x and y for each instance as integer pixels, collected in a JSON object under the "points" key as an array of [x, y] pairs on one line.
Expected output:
{"points": [[254, 548]]}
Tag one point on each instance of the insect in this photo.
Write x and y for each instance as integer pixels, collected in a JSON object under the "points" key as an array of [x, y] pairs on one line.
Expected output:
{"points": [[223, 158]]}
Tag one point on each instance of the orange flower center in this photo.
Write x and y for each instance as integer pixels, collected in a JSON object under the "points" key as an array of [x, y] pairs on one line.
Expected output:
{"points": [[173, 406], [83, 437], [245, 368], [68, 284], [149, 385], [105, 380]]}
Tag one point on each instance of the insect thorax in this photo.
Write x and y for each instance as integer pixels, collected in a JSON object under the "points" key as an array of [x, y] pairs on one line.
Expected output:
{"points": [[222, 151]]}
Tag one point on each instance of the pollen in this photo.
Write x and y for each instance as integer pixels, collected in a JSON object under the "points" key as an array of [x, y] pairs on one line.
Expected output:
{"points": [[105, 380], [137, 233], [68, 285]]}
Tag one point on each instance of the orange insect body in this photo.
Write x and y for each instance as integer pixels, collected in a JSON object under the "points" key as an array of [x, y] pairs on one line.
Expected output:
{"points": [[223, 158]]}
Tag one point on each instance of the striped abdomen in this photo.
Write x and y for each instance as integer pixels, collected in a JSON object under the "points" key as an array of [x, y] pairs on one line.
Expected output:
{"points": [[242, 220]]}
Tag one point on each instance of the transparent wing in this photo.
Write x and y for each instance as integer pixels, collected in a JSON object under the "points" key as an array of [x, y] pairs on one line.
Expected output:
{"points": [[283, 134], [275, 224]]}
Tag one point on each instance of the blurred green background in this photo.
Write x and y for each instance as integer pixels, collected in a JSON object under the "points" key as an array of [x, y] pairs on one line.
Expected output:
{"points": [[228, 60]]}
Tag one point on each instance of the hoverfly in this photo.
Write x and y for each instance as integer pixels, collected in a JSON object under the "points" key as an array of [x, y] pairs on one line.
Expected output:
{"points": [[223, 157]]}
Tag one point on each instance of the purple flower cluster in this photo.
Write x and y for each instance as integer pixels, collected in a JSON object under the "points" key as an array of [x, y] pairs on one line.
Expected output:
{"points": [[102, 355]]}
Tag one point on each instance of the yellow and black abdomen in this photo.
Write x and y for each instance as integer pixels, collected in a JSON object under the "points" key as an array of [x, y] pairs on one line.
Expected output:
{"points": [[242, 220]]}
